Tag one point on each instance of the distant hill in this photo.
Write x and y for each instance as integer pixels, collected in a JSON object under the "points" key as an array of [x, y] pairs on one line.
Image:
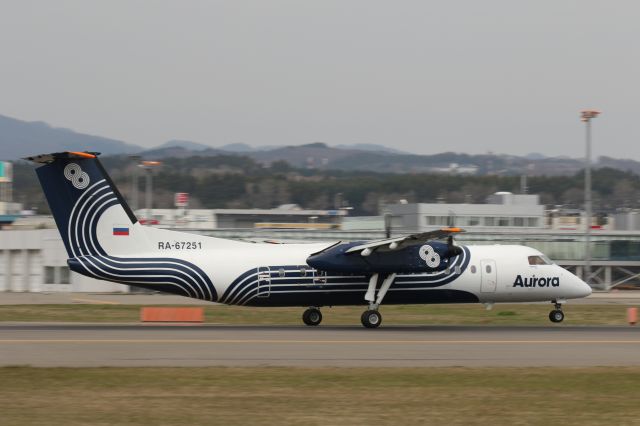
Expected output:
{"points": [[189, 145], [240, 147], [237, 147], [372, 147], [22, 138], [371, 157], [322, 156], [626, 165], [181, 152]]}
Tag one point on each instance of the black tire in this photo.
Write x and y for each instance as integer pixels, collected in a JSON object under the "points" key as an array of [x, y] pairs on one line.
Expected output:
{"points": [[371, 319], [312, 316], [556, 316]]}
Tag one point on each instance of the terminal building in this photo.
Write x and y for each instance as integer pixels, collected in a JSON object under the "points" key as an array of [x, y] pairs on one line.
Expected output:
{"points": [[288, 214], [503, 210]]}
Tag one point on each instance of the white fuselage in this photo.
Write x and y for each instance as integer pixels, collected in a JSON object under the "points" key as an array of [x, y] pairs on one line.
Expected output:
{"points": [[263, 272]]}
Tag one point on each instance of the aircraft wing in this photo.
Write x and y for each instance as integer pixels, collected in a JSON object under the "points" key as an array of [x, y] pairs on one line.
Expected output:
{"points": [[407, 240]]}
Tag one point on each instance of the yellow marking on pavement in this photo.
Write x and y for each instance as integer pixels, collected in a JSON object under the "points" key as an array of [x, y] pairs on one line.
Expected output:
{"points": [[345, 342], [95, 301]]}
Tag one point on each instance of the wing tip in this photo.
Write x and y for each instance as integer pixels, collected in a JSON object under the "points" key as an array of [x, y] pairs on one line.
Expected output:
{"points": [[452, 229]]}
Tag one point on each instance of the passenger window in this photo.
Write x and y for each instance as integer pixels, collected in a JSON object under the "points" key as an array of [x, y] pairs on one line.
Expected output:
{"points": [[539, 260], [473, 269], [281, 272], [488, 269], [303, 272]]}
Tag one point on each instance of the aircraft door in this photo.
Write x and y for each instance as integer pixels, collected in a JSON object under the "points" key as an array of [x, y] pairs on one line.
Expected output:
{"points": [[264, 281], [489, 275]]}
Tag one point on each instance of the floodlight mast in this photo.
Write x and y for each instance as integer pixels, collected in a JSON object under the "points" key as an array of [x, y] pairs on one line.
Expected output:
{"points": [[586, 116], [148, 167]]}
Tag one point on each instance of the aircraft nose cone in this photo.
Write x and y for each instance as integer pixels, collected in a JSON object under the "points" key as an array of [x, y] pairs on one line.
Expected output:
{"points": [[582, 288]]}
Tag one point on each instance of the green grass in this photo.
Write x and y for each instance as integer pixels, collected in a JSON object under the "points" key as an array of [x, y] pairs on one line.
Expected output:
{"points": [[323, 396], [507, 314]]}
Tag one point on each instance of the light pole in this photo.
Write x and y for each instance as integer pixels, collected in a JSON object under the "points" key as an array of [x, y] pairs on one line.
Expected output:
{"points": [[586, 116], [134, 183], [148, 166]]}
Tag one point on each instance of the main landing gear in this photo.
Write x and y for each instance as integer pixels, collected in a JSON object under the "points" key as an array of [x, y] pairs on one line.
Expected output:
{"points": [[556, 315], [371, 318], [312, 316]]}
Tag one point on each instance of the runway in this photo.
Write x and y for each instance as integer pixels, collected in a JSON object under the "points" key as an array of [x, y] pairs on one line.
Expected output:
{"points": [[93, 345]]}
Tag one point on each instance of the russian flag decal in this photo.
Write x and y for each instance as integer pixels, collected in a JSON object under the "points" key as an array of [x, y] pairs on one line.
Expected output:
{"points": [[121, 230]]}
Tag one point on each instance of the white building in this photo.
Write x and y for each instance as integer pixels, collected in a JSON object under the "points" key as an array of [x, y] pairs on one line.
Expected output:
{"points": [[503, 210], [9, 212], [36, 261], [628, 220]]}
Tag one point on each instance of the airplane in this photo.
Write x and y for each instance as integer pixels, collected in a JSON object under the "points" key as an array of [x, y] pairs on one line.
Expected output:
{"points": [[105, 240]]}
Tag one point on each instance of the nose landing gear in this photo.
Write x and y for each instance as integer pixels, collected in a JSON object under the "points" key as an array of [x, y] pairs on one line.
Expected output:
{"points": [[556, 315]]}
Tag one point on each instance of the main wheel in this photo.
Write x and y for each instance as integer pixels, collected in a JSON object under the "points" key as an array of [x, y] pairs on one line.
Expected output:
{"points": [[556, 315], [371, 319], [312, 316]]}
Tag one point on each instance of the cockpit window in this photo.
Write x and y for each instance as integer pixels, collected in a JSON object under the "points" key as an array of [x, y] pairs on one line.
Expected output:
{"points": [[539, 260]]}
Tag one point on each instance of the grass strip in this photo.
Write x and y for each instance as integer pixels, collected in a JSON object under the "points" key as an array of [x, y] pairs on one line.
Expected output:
{"points": [[322, 396], [501, 314]]}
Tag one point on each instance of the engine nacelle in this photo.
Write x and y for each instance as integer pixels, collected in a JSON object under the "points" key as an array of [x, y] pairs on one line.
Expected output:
{"points": [[429, 257]]}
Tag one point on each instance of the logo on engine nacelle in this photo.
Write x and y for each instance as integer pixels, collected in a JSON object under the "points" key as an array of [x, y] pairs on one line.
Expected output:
{"points": [[429, 255]]}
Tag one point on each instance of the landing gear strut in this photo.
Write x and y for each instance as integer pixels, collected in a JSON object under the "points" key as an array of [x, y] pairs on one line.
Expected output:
{"points": [[556, 315], [312, 316], [371, 318]]}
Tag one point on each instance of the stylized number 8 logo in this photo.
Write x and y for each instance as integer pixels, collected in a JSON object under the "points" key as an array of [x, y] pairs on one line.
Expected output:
{"points": [[78, 178], [429, 255]]}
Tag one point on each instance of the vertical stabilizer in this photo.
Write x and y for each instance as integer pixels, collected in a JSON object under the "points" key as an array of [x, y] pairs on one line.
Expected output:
{"points": [[79, 193], [101, 233]]}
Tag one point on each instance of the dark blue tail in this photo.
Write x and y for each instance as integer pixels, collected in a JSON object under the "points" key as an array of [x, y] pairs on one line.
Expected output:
{"points": [[69, 177], [101, 234]]}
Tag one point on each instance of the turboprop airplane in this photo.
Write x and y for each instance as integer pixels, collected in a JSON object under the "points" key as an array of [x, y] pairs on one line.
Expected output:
{"points": [[105, 240]]}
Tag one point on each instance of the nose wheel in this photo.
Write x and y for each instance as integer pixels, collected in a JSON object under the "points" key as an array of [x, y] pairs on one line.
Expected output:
{"points": [[556, 315], [312, 316]]}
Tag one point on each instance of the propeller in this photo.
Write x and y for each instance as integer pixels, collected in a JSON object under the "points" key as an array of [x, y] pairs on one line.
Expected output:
{"points": [[452, 249]]}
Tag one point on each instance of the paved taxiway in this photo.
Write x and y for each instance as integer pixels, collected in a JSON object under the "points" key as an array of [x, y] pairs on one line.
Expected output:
{"points": [[81, 345]]}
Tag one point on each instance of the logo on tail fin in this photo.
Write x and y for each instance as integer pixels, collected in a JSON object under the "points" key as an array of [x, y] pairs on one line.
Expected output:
{"points": [[73, 172]]}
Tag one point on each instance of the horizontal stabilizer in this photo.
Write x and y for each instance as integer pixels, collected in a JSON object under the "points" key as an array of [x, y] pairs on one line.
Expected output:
{"points": [[67, 155]]}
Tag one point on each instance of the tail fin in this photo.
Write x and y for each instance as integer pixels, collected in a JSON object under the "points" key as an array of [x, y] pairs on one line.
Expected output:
{"points": [[80, 193], [101, 233]]}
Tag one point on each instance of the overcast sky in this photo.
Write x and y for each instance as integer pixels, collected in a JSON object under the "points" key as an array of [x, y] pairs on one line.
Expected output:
{"points": [[423, 76]]}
